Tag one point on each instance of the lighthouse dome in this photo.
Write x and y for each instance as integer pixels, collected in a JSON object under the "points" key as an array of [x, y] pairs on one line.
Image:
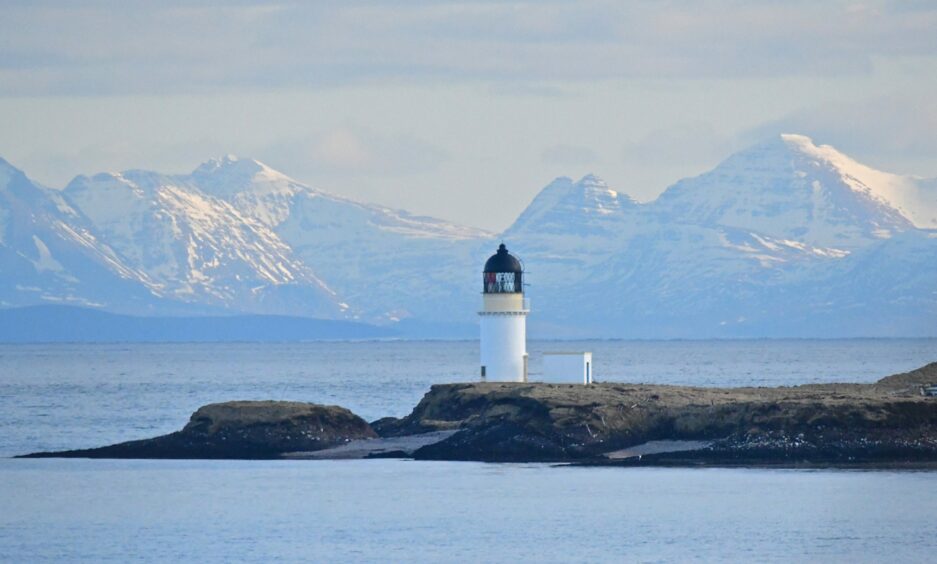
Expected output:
{"points": [[503, 261]]}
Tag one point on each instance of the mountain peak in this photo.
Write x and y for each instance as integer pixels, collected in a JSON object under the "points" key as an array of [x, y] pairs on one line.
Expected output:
{"points": [[588, 198], [797, 140], [791, 188], [229, 174], [16, 185], [228, 164], [806, 150], [592, 178], [803, 145], [915, 199], [595, 189], [8, 170]]}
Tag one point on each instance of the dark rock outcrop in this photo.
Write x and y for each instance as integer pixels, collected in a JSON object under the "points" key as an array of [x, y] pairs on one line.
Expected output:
{"points": [[834, 423], [888, 422], [242, 429]]}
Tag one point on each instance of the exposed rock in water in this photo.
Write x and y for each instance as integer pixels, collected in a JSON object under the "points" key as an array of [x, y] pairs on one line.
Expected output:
{"points": [[243, 429], [888, 422], [828, 423]]}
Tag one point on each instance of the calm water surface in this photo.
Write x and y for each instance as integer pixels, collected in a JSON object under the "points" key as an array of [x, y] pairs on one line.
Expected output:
{"points": [[70, 396]]}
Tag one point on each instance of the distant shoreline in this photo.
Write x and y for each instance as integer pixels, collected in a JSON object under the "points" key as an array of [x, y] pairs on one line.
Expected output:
{"points": [[48, 324]]}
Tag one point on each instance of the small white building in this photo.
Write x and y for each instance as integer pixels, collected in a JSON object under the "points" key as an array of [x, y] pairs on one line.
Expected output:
{"points": [[567, 367]]}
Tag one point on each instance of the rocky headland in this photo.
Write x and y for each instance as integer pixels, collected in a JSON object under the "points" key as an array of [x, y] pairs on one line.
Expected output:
{"points": [[889, 422], [242, 429]]}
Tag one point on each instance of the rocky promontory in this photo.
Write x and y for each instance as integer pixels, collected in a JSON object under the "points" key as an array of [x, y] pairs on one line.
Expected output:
{"points": [[242, 429], [890, 422]]}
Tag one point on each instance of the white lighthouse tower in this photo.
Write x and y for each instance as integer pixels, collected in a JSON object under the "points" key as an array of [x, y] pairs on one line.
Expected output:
{"points": [[503, 319]]}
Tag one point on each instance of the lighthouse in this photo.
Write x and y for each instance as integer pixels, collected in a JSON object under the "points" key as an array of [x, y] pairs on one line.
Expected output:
{"points": [[503, 319]]}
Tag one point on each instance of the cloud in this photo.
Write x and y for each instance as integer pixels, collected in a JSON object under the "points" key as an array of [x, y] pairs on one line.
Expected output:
{"points": [[105, 48]]}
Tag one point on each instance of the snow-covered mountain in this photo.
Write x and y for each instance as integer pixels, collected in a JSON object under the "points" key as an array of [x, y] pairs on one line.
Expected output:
{"points": [[197, 248], [388, 264], [238, 236], [784, 239], [791, 189], [49, 253], [776, 240]]}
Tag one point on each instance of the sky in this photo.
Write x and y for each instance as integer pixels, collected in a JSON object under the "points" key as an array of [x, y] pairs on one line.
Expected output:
{"points": [[461, 110]]}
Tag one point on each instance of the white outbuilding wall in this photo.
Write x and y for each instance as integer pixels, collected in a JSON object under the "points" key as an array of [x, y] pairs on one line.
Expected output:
{"points": [[567, 368]]}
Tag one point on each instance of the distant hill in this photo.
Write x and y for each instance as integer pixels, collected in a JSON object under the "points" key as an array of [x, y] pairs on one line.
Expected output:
{"points": [[56, 324]]}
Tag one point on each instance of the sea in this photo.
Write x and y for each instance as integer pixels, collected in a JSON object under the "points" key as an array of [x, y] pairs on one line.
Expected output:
{"points": [[65, 396]]}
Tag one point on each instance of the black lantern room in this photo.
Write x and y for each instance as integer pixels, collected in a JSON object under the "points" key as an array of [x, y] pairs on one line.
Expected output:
{"points": [[503, 274]]}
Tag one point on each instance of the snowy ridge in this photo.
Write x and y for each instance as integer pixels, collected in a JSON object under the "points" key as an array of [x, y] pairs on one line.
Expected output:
{"points": [[269, 196], [194, 246], [373, 255], [49, 253], [787, 238], [789, 189], [589, 200], [754, 247], [915, 198]]}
